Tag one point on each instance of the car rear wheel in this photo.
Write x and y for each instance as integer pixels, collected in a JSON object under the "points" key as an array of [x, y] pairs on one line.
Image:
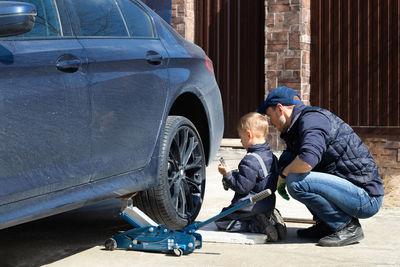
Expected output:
{"points": [[177, 199]]}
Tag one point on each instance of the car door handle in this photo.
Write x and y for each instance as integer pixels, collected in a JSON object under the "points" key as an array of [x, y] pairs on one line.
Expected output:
{"points": [[153, 57], [68, 63]]}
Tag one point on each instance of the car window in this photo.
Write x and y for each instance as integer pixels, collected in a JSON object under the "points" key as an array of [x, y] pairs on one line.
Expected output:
{"points": [[47, 21], [138, 22], [98, 18]]}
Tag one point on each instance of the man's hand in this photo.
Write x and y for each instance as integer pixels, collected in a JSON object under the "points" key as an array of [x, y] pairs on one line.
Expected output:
{"points": [[281, 188]]}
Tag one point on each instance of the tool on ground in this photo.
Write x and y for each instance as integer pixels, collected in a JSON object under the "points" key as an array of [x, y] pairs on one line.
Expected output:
{"points": [[148, 236], [299, 220]]}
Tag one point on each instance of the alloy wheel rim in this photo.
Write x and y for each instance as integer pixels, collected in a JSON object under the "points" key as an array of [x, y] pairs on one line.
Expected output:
{"points": [[186, 171]]}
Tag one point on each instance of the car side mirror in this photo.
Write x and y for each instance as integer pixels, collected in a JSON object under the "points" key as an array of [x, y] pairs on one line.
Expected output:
{"points": [[16, 18]]}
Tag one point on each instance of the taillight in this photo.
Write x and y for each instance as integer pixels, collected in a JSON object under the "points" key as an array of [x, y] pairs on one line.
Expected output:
{"points": [[209, 64]]}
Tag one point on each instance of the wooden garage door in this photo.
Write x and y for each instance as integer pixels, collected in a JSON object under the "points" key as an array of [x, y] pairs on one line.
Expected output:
{"points": [[232, 34], [355, 62]]}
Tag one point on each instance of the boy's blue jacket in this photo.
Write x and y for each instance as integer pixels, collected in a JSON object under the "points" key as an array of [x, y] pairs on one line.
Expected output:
{"points": [[250, 176]]}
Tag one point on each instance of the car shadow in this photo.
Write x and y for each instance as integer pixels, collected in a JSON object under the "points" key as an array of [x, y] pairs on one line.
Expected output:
{"points": [[50, 239], [54, 238]]}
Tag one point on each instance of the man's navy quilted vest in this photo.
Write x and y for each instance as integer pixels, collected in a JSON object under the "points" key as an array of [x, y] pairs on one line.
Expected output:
{"points": [[346, 155]]}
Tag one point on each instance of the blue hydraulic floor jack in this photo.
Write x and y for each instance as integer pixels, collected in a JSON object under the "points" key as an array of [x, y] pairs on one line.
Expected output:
{"points": [[148, 236]]}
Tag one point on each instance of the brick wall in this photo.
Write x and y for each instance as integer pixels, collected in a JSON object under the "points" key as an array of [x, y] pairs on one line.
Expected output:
{"points": [[287, 45], [182, 18], [287, 50], [386, 152]]}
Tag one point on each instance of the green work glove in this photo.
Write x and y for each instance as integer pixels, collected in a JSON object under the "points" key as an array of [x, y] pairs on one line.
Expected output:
{"points": [[281, 187], [282, 191]]}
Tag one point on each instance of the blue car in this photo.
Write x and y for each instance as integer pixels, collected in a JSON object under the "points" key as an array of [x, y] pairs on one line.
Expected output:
{"points": [[102, 99]]}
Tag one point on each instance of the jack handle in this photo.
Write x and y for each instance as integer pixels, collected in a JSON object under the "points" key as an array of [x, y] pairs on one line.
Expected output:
{"points": [[261, 195], [257, 197]]}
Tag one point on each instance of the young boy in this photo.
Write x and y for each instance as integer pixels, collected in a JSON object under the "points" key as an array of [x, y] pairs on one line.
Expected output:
{"points": [[257, 171]]}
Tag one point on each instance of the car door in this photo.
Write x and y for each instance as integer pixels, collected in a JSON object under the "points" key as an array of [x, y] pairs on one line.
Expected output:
{"points": [[44, 134], [128, 82]]}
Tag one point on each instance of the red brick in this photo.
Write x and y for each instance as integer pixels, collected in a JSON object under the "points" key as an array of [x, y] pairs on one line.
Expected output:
{"points": [[276, 48], [305, 70], [376, 140], [387, 163], [281, 62], [392, 144], [305, 97], [178, 20], [273, 74], [294, 40], [271, 83], [306, 29], [272, 62], [293, 53], [293, 85], [292, 63], [305, 81], [306, 15], [271, 19], [279, 19], [305, 59], [305, 46], [277, 42], [291, 18], [287, 74], [279, 36], [278, 28], [291, 80], [294, 28], [278, 8]]}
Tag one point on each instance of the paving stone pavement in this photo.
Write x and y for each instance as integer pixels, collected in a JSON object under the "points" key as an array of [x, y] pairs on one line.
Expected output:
{"points": [[379, 248]]}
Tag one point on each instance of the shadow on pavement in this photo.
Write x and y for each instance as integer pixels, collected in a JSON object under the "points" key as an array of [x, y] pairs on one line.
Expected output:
{"points": [[57, 237], [54, 238], [292, 238]]}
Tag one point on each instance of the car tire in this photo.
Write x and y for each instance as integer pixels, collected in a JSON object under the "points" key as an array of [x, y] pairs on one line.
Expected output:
{"points": [[177, 199]]}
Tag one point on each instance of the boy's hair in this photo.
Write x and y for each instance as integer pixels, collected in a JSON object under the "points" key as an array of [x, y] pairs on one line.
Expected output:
{"points": [[254, 121]]}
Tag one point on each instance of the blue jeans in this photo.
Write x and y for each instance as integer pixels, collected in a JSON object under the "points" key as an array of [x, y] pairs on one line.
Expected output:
{"points": [[332, 199]]}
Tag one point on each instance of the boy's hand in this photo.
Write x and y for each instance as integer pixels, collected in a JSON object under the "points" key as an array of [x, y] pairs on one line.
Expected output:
{"points": [[223, 169], [281, 188]]}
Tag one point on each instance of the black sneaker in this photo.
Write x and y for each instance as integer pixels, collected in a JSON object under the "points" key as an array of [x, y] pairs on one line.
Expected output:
{"points": [[317, 231], [268, 227], [350, 234], [279, 224]]}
